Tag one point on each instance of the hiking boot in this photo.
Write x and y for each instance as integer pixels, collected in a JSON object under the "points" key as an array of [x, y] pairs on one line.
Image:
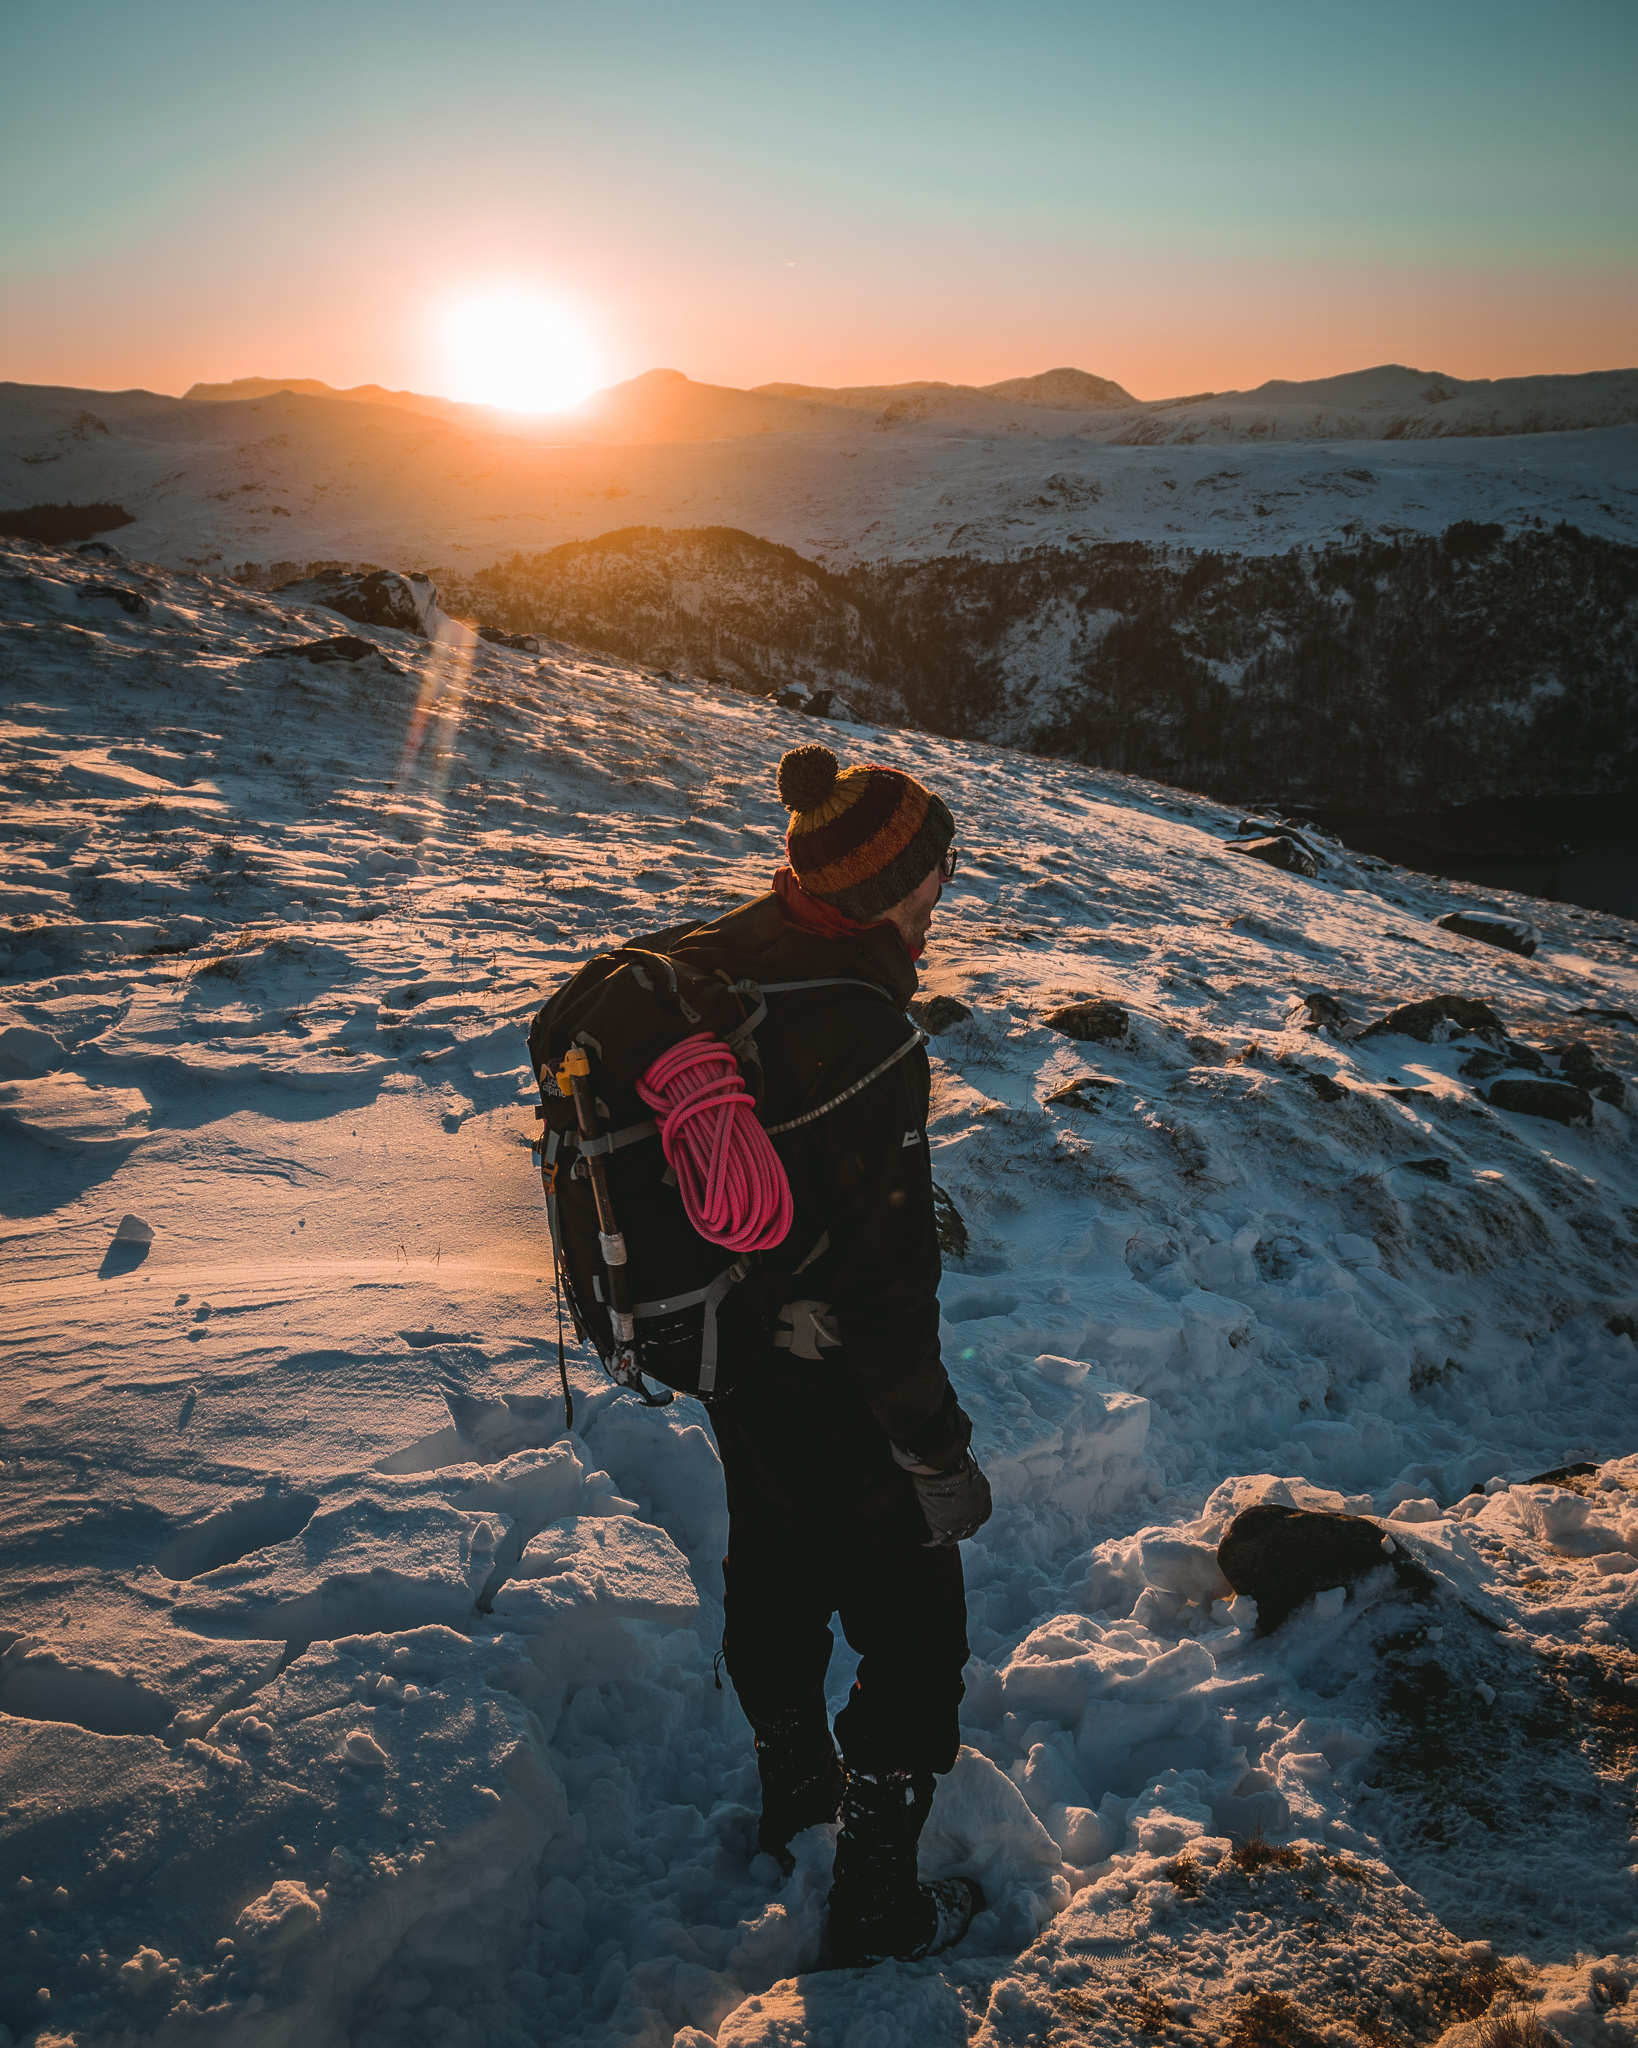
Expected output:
{"points": [[934, 1917], [878, 1906], [802, 1783]]}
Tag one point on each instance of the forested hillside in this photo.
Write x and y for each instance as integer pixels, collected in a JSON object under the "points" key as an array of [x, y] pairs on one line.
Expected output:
{"points": [[1385, 674]]}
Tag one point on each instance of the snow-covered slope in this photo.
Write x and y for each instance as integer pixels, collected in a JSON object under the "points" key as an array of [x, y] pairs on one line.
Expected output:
{"points": [[299, 478], [350, 1698]]}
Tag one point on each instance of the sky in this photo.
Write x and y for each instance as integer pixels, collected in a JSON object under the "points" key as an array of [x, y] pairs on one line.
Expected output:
{"points": [[525, 199]]}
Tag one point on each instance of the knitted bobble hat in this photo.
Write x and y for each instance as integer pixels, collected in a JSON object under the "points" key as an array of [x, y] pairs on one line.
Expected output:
{"points": [[860, 838]]}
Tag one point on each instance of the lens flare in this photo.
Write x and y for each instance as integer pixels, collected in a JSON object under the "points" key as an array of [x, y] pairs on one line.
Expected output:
{"points": [[517, 349]]}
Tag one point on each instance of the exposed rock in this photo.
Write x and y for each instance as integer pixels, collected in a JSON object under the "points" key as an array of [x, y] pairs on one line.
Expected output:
{"points": [[1327, 1089], [1281, 850], [1316, 1009], [1480, 1066], [382, 598], [1086, 1091], [831, 704], [938, 1013], [1430, 1169], [1437, 1019], [1090, 1019], [1512, 934], [1262, 828], [131, 601], [1560, 1101], [1283, 1556], [1582, 1065], [343, 647], [521, 643]]}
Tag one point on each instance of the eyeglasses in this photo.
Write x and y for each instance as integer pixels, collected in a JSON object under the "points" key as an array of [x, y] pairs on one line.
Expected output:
{"points": [[947, 866]]}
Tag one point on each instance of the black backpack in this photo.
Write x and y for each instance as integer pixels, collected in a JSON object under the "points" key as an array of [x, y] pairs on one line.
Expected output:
{"points": [[655, 1299]]}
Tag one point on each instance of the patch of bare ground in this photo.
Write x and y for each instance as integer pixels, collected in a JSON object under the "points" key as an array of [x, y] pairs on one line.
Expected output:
{"points": [[1274, 1946], [1598, 1684]]}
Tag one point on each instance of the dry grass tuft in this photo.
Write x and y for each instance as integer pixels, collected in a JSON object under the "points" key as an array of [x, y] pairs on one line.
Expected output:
{"points": [[230, 960], [1187, 1875], [1515, 2030], [1254, 1854], [1266, 2020]]}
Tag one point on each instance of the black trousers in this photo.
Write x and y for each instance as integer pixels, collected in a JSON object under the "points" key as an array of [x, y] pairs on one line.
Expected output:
{"points": [[822, 1522]]}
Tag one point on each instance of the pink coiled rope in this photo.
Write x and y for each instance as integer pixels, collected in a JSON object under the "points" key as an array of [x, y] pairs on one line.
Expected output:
{"points": [[732, 1183]]}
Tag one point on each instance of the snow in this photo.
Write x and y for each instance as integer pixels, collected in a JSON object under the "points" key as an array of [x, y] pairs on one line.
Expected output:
{"points": [[295, 478], [346, 1696]]}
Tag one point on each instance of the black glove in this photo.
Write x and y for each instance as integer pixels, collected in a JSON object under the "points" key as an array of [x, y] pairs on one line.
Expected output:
{"points": [[955, 1502]]}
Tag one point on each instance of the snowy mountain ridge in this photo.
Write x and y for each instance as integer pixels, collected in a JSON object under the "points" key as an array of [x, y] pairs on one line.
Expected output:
{"points": [[347, 1697], [292, 477]]}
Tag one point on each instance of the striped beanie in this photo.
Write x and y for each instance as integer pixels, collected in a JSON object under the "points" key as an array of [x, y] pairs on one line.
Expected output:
{"points": [[860, 838]]}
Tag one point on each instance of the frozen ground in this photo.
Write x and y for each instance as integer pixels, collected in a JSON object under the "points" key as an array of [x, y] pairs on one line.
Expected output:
{"points": [[294, 478], [346, 1698]]}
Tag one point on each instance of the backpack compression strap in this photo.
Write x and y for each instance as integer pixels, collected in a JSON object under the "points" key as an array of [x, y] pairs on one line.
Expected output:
{"points": [[795, 1123]]}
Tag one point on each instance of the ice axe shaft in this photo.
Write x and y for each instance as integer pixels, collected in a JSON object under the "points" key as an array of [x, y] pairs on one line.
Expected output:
{"points": [[574, 1080]]}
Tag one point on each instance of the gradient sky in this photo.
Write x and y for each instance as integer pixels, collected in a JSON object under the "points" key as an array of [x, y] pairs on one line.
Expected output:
{"points": [[1182, 196]]}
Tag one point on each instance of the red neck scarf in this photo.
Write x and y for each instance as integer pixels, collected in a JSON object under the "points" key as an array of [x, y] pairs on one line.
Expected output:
{"points": [[809, 914]]}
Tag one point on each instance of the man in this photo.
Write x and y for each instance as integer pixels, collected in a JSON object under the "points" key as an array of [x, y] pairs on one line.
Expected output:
{"points": [[849, 1477]]}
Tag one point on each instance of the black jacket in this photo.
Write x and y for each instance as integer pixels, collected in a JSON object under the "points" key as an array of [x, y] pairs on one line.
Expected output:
{"points": [[866, 1300]]}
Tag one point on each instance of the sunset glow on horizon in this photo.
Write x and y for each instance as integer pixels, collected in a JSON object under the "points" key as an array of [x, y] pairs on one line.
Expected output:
{"points": [[1181, 200], [514, 347]]}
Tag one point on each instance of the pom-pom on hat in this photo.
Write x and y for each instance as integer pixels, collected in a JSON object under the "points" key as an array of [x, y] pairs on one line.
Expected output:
{"points": [[860, 838]]}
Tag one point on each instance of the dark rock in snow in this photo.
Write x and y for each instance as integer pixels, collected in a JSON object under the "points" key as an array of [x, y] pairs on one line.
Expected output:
{"points": [[382, 598], [131, 601], [343, 647], [1580, 1064], [1086, 1091], [1513, 934], [1560, 1101], [1279, 851], [521, 643], [938, 1013], [1091, 1019], [1479, 1066], [1283, 1556], [1323, 1010], [1438, 1018], [1327, 1089], [1262, 828], [827, 704], [1431, 1169]]}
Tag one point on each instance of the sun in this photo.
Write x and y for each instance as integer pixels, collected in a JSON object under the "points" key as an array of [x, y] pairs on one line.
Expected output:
{"points": [[516, 348]]}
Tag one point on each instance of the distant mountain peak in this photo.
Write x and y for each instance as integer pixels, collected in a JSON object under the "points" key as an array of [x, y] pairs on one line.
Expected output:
{"points": [[1064, 390]]}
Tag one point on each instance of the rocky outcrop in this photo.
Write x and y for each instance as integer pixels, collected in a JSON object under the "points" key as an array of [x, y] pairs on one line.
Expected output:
{"points": [[937, 1014], [341, 647], [1091, 1019], [1284, 1556], [1279, 851], [1559, 1101], [382, 598], [1316, 1009], [1436, 1019], [1490, 928]]}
